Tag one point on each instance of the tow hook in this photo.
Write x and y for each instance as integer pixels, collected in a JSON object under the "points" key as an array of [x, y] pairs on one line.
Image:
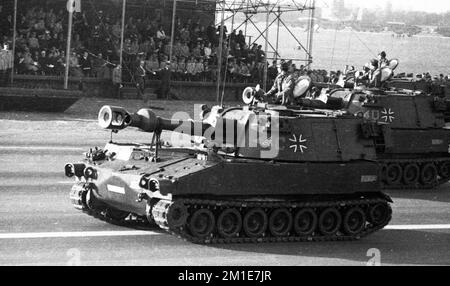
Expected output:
{"points": [[142, 196]]}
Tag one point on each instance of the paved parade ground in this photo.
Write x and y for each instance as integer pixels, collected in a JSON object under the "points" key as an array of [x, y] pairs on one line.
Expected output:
{"points": [[39, 226]]}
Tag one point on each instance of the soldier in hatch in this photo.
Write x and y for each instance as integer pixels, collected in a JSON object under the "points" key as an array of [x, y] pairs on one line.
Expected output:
{"points": [[283, 87]]}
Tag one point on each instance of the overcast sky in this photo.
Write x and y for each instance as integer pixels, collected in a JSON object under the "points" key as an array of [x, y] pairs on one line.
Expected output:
{"points": [[435, 6]]}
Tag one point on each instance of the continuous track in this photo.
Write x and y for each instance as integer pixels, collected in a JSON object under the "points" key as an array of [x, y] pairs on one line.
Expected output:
{"points": [[415, 173]]}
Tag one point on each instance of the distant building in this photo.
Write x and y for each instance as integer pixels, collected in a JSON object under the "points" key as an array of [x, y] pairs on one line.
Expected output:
{"points": [[339, 7]]}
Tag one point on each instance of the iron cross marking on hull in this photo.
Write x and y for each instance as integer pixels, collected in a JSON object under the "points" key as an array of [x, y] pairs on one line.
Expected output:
{"points": [[387, 115], [297, 143]]}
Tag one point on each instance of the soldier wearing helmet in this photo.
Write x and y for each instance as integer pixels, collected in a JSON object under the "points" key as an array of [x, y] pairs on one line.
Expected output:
{"points": [[383, 60], [283, 87]]}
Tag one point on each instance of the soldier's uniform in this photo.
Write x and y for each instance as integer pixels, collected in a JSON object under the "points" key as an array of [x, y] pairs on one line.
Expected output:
{"points": [[283, 88]]}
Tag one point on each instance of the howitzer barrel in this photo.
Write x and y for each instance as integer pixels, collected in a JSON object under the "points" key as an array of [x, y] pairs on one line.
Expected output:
{"points": [[117, 118]]}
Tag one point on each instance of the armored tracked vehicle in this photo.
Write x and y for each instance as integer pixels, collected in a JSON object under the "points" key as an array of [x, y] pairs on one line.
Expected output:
{"points": [[410, 134], [264, 174]]}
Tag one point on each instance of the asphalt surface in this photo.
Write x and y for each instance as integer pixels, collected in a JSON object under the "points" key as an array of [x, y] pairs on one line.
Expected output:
{"points": [[39, 226]]}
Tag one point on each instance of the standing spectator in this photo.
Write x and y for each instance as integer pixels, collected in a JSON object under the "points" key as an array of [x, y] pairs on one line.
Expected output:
{"points": [[272, 71], [211, 34], [240, 39], [74, 65], [139, 76], [164, 88], [99, 67], [86, 64], [117, 80], [174, 67], [152, 66]]}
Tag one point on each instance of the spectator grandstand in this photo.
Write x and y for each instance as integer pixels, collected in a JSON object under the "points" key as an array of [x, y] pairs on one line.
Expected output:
{"points": [[41, 44]]}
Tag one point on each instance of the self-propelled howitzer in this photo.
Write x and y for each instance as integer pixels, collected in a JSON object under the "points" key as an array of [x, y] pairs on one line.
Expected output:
{"points": [[264, 174]]}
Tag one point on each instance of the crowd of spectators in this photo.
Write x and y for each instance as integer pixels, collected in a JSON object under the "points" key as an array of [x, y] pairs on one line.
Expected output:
{"points": [[41, 46]]}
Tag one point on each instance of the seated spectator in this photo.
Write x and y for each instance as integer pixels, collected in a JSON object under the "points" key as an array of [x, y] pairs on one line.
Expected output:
{"points": [[33, 42], [177, 49], [181, 69], [29, 65], [163, 62], [160, 34], [134, 48], [196, 52], [185, 35], [116, 29], [58, 27], [44, 64], [245, 72], [190, 69], [199, 69], [39, 27], [147, 47], [61, 62], [53, 61], [185, 51], [44, 40], [167, 49], [76, 43], [207, 51]]}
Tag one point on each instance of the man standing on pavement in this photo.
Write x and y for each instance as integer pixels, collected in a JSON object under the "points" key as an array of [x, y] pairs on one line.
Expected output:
{"points": [[139, 76], [164, 87], [117, 80]]}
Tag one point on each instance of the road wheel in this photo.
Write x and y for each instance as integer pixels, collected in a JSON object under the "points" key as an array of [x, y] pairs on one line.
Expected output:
{"points": [[393, 174], [329, 221], [255, 222], [428, 174], [229, 223], [444, 170], [354, 221], [411, 174], [305, 222], [379, 214], [280, 222], [201, 223], [177, 214]]}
